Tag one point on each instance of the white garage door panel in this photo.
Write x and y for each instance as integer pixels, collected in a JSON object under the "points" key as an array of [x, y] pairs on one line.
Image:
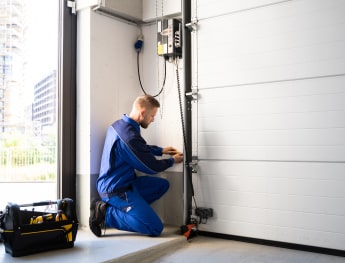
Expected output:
{"points": [[270, 170], [296, 120], [238, 190], [304, 204], [208, 8], [278, 105], [279, 201], [297, 235], [300, 120], [291, 88], [271, 153], [270, 129], [277, 233], [284, 218], [306, 137], [287, 41]]}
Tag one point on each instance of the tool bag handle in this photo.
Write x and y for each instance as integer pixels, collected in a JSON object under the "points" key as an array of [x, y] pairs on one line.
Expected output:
{"points": [[39, 203]]}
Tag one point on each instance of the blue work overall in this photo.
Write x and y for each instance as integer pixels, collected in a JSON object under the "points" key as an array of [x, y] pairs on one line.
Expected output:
{"points": [[129, 196]]}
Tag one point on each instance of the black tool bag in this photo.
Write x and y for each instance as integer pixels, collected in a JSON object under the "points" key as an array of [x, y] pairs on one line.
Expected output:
{"points": [[37, 227]]}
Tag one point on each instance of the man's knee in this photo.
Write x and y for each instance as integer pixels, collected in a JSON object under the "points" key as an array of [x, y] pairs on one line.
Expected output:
{"points": [[165, 185], [156, 230]]}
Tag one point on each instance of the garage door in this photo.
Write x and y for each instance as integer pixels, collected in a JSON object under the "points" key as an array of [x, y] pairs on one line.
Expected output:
{"points": [[270, 129]]}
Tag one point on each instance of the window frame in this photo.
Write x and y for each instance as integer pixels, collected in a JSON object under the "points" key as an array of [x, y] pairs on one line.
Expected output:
{"points": [[66, 182]]}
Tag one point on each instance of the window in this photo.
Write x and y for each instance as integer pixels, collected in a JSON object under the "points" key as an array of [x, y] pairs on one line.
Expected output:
{"points": [[37, 101]]}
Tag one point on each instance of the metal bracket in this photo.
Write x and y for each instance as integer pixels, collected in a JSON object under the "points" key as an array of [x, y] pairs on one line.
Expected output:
{"points": [[194, 164], [72, 5], [192, 95], [193, 25]]}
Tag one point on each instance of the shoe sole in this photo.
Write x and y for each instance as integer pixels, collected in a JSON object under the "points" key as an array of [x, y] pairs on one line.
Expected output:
{"points": [[93, 222]]}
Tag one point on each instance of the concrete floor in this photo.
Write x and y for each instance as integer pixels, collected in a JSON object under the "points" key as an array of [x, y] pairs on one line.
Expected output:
{"points": [[212, 250], [171, 247], [115, 246]]}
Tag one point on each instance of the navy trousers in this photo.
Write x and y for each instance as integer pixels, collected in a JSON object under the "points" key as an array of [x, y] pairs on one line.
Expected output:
{"points": [[131, 211]]}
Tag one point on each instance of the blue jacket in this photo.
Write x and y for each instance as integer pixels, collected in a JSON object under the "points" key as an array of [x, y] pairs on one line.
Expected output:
{"points": [[124, 152]]}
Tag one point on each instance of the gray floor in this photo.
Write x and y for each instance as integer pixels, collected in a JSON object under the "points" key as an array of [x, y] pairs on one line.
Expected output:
{"points": [[118, 246], [205, 250]]}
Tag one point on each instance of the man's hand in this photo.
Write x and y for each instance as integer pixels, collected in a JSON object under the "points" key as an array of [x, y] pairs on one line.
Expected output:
{"points": [[178, 157], [169, 150]]}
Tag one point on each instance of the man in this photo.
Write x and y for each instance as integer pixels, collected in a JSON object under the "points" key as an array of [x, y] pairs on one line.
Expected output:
{"points": [[126, 197]]}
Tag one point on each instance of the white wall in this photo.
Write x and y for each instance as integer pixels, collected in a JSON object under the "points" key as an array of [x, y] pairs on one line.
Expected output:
{"points": [[83, 117], [160, 8], [107, 84], [166, 129], [106, 89], [271, 119], [114, 85]]}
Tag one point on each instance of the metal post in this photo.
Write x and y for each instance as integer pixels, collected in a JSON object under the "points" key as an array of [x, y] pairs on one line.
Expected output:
{"points": [[187, 67]]}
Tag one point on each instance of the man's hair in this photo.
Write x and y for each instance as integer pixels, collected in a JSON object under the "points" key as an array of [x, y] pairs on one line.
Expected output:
{"points": [[147, 101]]}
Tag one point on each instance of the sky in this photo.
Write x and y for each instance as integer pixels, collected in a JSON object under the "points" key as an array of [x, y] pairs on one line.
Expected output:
{"points": [[41, 40]]}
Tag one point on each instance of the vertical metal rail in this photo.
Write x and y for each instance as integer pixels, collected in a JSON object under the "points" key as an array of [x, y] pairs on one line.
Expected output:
{"points": [[187, 67], [68, 102]]}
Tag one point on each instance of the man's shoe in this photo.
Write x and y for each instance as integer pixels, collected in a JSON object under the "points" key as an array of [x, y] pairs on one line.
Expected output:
{"points": [[97, 216]]}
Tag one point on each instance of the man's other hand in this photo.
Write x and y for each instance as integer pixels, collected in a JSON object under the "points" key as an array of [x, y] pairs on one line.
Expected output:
{"points": [[169, 150], [178, 157]]}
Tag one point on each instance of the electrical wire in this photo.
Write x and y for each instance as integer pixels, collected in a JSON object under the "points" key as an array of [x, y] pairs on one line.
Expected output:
{"points": [[141, 85]]}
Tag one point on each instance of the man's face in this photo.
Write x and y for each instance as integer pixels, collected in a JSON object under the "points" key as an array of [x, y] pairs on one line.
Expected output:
{"points": [[148, 117]]}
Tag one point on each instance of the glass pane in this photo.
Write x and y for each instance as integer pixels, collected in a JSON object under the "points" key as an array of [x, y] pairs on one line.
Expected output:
{"points": [[28, 100]]}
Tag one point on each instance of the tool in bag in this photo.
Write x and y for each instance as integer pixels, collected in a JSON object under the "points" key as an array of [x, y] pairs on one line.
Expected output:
{"points": [[1, 220], [26, 229]]}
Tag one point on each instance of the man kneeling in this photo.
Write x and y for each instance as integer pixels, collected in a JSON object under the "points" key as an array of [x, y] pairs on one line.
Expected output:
{"points": [[126, 197]]}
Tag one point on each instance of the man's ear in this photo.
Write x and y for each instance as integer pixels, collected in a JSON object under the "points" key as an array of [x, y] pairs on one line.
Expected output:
{"points": [[142, 114]]}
